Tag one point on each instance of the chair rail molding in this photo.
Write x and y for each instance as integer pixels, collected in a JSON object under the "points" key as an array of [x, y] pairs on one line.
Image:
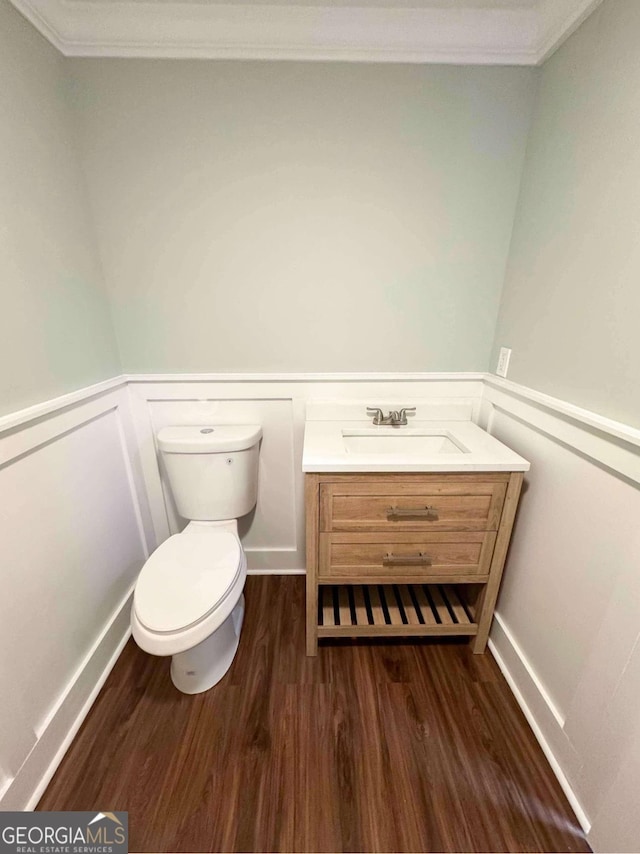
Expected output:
{"points": [[610, 443], [39, 410], [485, 32]]}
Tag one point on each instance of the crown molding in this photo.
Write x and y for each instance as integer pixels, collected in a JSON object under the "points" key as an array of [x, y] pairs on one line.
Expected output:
{"points": [[192, 29], [557, 21]]}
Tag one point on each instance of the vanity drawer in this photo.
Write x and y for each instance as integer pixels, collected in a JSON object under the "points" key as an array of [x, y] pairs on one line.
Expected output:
{"points": [[424, 557], [398, 506]]}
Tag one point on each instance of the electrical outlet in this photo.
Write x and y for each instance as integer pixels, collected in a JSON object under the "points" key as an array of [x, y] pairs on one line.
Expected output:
{"points": [[503, 362]]}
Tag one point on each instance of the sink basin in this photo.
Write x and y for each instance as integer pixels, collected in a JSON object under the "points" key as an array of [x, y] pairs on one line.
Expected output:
{"points": [[406, 442]]}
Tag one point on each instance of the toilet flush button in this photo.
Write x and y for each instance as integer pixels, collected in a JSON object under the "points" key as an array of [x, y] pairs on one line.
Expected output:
{"points": [[207, 430]]}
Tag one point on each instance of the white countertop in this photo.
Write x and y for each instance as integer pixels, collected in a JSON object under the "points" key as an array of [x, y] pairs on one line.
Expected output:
{"points": [[325, 449]]}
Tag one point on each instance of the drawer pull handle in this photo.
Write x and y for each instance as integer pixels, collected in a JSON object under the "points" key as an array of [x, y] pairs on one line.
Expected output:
{"points": [[420, 559], [427, 512]]}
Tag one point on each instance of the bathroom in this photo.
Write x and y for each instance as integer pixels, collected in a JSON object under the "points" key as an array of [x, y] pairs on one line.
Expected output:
{"points": [[192, 237]]}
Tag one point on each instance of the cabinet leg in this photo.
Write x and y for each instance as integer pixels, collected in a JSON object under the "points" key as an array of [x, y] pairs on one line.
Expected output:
{"points": [[312, 642], [312, 619], [484, 618], [479, 645]]}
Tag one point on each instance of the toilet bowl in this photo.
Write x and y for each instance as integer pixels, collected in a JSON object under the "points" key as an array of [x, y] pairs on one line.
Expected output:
{"points": [[188, 601]]}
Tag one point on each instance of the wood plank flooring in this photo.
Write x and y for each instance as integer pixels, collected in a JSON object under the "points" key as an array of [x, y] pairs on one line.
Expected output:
{"points": [[371, 746]]}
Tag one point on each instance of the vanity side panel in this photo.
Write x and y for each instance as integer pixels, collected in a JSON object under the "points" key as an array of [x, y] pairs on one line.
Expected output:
{"points": [[311, 496], [489, 595]]}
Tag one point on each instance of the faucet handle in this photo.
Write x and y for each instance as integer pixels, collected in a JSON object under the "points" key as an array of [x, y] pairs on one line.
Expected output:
{"points": [[376, 412], [402, 414]]}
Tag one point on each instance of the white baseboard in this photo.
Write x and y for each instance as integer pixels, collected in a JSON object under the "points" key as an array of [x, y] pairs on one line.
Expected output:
{"points": [[503, 647], [62, 725], [276, 572], [501, 632]]}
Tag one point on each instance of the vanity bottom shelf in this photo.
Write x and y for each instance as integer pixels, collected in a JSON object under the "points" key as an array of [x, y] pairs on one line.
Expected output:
{"points": [[362, 610]]}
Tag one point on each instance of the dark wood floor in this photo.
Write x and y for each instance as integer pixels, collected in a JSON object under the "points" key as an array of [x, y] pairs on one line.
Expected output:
{"points": [[368, 747]]}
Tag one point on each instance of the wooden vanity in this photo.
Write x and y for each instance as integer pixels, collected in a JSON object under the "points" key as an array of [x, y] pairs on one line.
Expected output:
{"points": [[406, 553]]}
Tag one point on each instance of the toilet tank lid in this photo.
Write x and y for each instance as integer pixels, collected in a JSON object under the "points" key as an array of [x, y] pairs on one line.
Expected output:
{"points": [[208, 438]]}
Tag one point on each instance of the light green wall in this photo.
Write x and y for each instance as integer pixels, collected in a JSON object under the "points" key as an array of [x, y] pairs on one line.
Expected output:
{"points": [[55, 326], [302, 216], [571, 303]]}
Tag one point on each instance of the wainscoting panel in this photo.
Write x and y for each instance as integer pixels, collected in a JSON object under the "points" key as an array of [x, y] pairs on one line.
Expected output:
{"points": [[75, 531], [273, 536], [270, 530], [567, 629], [566, 633], [85, 501]]}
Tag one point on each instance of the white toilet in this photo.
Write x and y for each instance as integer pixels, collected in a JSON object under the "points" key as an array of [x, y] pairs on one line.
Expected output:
{"points": [[188, 600]]}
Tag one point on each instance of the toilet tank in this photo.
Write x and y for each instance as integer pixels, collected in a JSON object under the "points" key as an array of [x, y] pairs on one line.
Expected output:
{"points": [[212, 469]]}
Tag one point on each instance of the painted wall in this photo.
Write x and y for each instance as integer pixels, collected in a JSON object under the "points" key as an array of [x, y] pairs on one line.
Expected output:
{"points": [[571, 303], [73, 514], [302, 216], [55, 327], [569, 609]]}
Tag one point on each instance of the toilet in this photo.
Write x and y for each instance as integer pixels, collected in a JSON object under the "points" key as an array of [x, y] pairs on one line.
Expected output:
{"points": [[188, 601]]}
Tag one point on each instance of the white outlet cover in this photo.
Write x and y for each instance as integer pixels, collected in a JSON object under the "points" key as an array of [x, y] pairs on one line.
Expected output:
{"points": [[503, 362]]}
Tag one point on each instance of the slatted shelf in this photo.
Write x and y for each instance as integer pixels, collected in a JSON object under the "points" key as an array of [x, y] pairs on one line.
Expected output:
{"points": [[393, 609]]}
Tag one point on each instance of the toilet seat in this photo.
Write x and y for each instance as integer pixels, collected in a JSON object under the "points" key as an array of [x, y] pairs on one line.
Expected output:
{"points": [[185, 579], [186, 589]]}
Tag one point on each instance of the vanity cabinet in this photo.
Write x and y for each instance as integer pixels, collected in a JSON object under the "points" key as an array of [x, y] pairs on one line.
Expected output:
{"points": [[408, 554]]}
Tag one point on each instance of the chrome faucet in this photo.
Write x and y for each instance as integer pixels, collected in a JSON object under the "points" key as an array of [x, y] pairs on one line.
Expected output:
{"points": [[395, 418]]}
